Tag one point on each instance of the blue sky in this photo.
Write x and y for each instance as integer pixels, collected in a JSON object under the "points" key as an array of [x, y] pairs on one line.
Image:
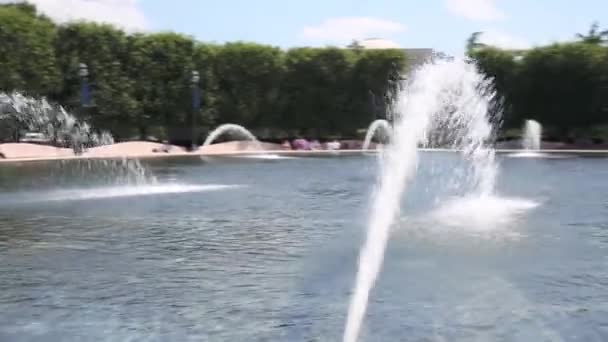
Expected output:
{"points": [[440, 24]]}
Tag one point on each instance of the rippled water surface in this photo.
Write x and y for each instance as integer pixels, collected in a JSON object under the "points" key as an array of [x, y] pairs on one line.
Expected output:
{"points": [[266, 250]]}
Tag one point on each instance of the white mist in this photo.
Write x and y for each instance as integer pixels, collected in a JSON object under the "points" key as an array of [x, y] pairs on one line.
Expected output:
{"points": [[449, 98]]}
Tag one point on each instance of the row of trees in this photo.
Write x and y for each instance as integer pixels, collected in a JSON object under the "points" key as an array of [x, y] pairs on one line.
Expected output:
{"points": [[564, 86], [141, 83]]}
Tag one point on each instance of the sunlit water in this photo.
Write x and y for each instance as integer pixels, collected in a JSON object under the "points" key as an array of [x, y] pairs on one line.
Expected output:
{"points": [[265, 156], [270, 254]]}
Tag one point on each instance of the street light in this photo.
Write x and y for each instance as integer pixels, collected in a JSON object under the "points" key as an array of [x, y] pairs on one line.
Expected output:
{"points": [[85, 102], [196, 104], [83, 70], [195, 77]]}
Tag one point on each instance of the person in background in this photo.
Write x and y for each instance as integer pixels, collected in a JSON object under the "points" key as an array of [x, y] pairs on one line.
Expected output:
{"points": [[301, 144]]}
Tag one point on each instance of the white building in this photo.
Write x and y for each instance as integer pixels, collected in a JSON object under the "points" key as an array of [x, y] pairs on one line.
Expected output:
{"points": [[415, 56]]}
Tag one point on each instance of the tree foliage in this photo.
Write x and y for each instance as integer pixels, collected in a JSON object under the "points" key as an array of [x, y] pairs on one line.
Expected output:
{"points": [[473, 42], [27, 57], [104, 50], [594, 35], [248, 80], [141, 83], [563, 86]]}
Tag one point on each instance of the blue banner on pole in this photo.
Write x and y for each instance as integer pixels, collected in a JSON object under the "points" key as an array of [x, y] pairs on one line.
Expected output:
{"points": [[85, 94]]}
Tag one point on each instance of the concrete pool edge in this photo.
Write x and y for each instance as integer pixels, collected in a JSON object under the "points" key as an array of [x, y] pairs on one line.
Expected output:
{"points": [[302, 153]]}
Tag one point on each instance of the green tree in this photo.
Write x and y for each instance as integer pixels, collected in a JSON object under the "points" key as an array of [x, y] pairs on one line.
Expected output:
{"points": [[473, 42], [375, 83], [204, 61], [502, 67], [594, 35], [563, 85], [141, 83], [248, 79], [103, 49], [27, 58], [161, 66], [355, 45], [317, 91]]}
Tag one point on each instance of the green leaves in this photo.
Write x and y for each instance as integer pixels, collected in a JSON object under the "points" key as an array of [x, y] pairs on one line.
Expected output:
{"points": [[27, 58], [473, 42], [161, 66], [248, 80], [326, 91], [594, 35], [141, 83], [104, 50], [564, 86]]}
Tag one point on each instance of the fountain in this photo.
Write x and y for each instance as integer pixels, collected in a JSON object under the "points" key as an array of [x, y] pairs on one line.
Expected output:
{"points": [[231, 128], [373, 128], [84, 178], [54, 122], [530, 142], [532, 135], [242, 131], [454, 98], [65, 130]]}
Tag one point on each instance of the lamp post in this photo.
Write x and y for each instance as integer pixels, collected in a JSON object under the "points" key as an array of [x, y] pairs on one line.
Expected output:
{"points": [[196, 104], [85, 102]]}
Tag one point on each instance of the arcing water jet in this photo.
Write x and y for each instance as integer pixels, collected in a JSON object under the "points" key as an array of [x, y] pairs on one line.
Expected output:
{"points": [[373, 128], [231, 128]]}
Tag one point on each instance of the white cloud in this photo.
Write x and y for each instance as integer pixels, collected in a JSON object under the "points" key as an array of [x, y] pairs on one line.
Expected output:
{"points": [[478, 10], [344, 29], [123, 13], [503, 40]]}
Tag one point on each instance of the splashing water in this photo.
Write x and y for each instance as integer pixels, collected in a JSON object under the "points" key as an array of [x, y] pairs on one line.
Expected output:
{"points": [[373, 128], [452, 100], [530, 142], [63, 129], [120, 191], [532, 134], [232, 128], [54, 122], [108, 172]]}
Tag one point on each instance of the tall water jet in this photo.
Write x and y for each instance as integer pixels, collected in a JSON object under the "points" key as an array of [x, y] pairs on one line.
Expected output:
{"points": [[454, 98], [232, 128], [532, 135], [373, 128]]}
